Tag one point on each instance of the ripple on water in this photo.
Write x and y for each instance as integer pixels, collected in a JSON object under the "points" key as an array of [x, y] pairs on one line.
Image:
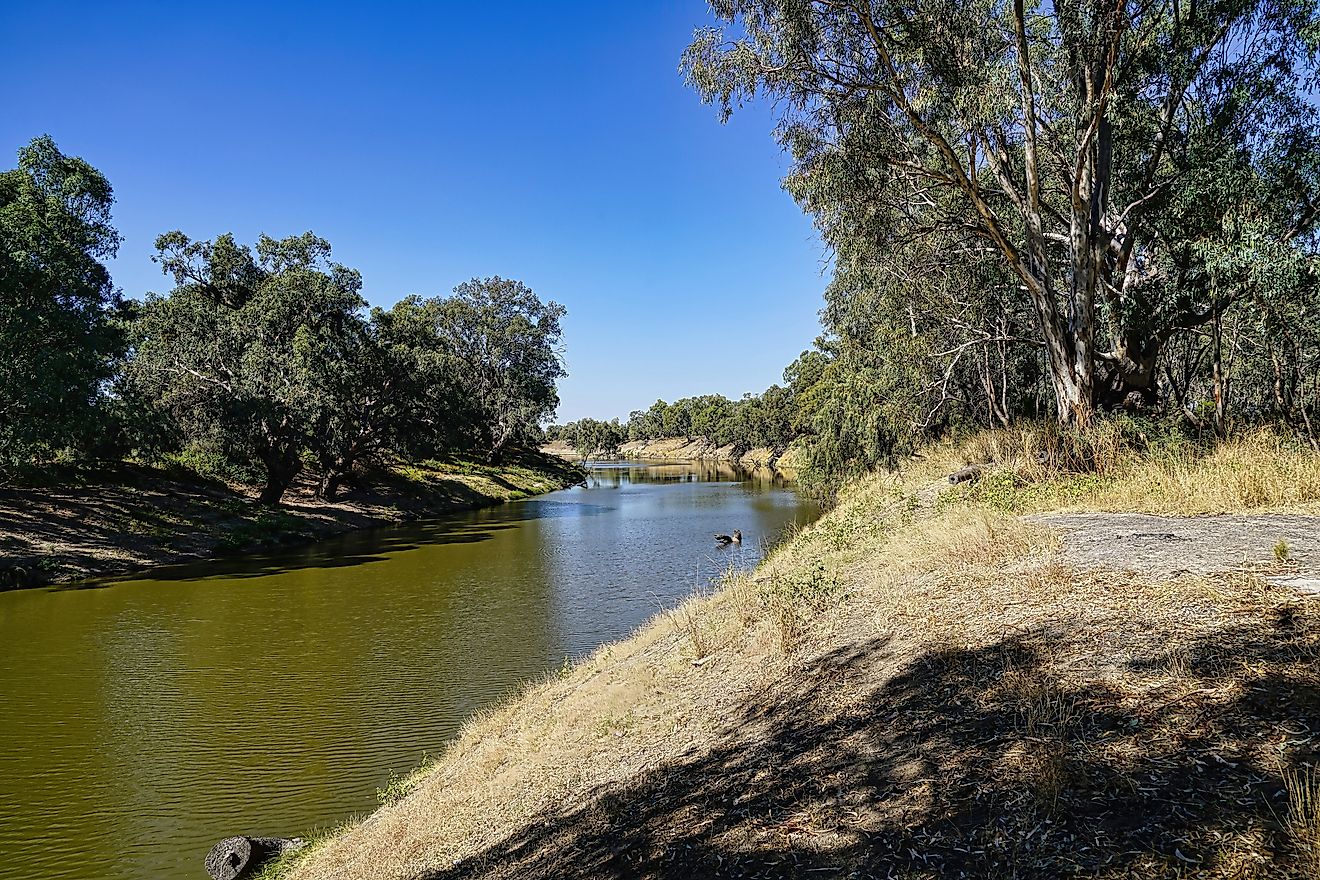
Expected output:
{"points": [[274, 695]]}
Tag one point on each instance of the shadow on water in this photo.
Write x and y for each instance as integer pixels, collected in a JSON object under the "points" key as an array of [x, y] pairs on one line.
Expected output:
{"points": [[377, 544], [362, 546], [862, 764]]}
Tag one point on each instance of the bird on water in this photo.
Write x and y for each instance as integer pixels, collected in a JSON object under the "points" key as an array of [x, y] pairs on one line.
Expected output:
{"points": [[735, 538]]}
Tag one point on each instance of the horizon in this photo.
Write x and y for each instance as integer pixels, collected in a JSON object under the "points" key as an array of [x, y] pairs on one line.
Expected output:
{"points": [[580, 164]]}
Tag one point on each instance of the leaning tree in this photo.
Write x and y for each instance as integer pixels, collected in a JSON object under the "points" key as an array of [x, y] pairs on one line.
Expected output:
{"points": [[1099, 148]]}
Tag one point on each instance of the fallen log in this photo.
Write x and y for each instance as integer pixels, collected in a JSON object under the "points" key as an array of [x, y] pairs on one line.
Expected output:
{"points": [[237, 857]]}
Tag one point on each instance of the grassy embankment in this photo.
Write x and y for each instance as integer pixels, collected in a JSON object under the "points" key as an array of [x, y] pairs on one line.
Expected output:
{"points": [[95, 523], [919, 685]]}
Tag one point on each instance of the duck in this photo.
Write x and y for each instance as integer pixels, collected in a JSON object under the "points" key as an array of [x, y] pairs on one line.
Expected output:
{"points": [[735, 538]]}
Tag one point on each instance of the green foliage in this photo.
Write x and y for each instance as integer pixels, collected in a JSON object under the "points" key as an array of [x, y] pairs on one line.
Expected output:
{"points": [[247, 356], [592, 437], [58, 338], [259, 364], [756, 421], [1038, 210], [506, 344]]}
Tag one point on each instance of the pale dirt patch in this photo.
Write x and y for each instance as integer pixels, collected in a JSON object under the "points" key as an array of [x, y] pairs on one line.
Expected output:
{"points": [[1168, 546]]}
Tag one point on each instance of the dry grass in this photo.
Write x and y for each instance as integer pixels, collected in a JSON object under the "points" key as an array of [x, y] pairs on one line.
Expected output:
{"points": [[693, 621], [1035, 468], [1303, 787], [913, 684], [1255, 472]]}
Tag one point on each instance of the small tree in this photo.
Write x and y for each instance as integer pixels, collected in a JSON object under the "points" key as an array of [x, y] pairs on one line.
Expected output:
{"points": [[595, 437]]}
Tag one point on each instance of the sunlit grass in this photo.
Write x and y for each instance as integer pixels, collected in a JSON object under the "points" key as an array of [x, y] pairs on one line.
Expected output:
{"points": [[1035, 468], [903, 557]]}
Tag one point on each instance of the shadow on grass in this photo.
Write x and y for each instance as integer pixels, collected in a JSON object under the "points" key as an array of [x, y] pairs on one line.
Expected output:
{"points": [[966, 763]]}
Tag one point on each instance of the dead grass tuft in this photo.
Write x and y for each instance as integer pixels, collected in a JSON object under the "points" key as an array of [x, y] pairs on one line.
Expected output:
{"points": [[693, 620], [1303, 787]]}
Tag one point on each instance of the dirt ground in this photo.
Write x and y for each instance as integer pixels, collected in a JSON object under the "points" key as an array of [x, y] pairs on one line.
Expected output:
{"points": [[138, 517], [1283, 548]]}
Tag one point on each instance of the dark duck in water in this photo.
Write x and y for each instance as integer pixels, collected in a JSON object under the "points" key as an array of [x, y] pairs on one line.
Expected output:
{"points": [[735, 538]]}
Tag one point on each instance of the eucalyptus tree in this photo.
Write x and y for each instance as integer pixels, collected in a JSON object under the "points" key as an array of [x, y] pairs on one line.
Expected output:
{"points": [[1063, 138], [377, 391], [251, 353], [710, 417], [595, 437], [431, 413], [58, 338], [506, 342]]}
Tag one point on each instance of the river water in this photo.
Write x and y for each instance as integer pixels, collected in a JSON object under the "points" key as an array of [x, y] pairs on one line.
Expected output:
{"points": [[142, 720]]}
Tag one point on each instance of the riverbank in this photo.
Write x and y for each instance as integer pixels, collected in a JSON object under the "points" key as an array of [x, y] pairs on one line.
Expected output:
{"points": [[699, 449], [137, 517], [922, 684]]}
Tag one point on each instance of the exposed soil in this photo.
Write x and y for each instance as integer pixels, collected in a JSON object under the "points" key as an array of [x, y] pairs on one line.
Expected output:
{"points": [[134, 517], [1283, 548]]}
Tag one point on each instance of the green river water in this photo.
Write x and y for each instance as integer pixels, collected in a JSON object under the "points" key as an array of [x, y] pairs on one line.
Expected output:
{"points": [[142, 720]]}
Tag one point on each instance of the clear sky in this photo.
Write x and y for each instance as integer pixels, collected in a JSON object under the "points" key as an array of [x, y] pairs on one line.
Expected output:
{"points": [[552, 142]]}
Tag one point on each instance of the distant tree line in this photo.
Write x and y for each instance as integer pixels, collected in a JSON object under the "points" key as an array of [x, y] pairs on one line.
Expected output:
{"points": [[261, 362], [766, 420], [1058, 211]]}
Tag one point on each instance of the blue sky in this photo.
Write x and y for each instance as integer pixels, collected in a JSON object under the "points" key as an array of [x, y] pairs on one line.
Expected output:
{"points": [[554, 143]]}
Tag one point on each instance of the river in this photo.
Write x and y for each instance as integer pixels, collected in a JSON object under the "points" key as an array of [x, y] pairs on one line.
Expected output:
{"points": [[142, 720]]}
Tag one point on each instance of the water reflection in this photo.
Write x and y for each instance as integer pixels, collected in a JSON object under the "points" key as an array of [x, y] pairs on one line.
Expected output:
{"points": [[147, 718]]}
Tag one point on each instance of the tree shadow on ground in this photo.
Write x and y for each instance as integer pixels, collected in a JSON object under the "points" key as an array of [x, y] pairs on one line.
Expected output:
{"points": [[997, 761], [158, 523]]}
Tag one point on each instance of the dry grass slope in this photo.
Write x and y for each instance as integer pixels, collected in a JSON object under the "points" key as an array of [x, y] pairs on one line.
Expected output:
{"points": [[917, 686]]}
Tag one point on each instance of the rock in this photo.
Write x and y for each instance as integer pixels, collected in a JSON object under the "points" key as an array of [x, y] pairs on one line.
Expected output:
{"points": [[966, 475]]}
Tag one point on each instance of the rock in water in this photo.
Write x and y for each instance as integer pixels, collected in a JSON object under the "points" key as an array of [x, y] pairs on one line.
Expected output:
{"points": [[237, 857]]}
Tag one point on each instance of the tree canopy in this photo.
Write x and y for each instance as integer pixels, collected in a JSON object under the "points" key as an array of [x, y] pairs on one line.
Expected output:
{"points": [[1093, 177], [58, 336], [260, 363], [265, 361], [507, 343], [254, 356]]}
